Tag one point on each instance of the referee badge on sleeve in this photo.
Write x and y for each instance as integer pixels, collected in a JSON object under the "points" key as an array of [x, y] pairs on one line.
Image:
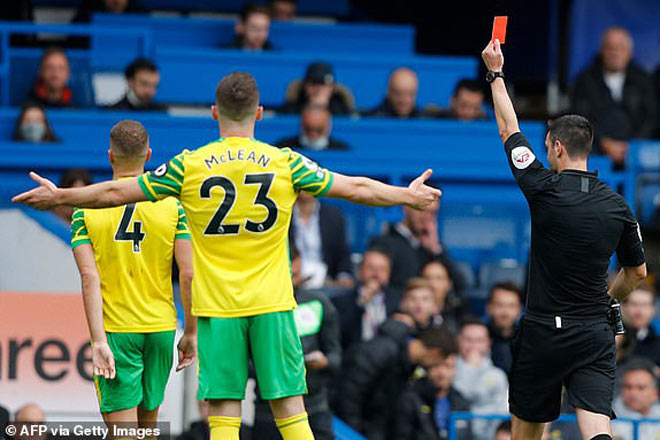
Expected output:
{"points": [[522, 157]]}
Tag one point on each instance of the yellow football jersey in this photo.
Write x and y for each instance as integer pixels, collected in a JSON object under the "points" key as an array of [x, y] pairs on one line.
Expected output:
{"points": [[238, 194], [133, 247]]}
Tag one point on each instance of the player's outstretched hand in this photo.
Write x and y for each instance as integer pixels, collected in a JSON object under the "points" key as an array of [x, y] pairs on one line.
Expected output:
{"points": [[187, 348], [423, 195], [493, 56], [42, 197], [103, 361]]}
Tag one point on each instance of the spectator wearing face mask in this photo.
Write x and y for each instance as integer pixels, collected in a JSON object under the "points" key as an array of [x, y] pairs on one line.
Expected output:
{"points": [[51, 89], [319, 88], [143, 78], [252, 29], [33, 126], [315, 128]]}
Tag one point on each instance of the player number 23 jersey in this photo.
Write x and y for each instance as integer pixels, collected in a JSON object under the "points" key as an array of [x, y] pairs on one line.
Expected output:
{"points": [[238, 194]]}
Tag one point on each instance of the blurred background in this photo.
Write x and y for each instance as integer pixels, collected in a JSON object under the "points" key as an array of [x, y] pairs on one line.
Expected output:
{"points": [[378, 88]]}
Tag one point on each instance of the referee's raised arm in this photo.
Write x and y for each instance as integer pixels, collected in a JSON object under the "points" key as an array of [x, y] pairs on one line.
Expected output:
{"points": [[507, 121]]}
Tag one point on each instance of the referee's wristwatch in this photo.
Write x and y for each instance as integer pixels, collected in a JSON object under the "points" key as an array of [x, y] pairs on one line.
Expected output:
{"points": [[492, 76]]}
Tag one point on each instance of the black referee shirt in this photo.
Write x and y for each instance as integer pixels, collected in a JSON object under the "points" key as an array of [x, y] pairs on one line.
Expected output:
{"points": [[578, 222]]}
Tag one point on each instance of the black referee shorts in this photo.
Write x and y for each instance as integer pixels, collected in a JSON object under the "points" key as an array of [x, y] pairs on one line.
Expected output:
{"points": [[581, 356]]}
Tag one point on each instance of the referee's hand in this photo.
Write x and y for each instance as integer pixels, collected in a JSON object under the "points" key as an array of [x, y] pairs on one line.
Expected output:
{"points": [[493, 56], [422, 196]]}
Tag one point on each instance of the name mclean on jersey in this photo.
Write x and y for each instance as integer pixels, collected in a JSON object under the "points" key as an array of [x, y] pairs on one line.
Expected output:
{"points": [[230, 156]]}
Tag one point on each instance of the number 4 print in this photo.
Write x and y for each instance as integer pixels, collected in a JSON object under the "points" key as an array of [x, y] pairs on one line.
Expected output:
{"points": [[123, 234]]}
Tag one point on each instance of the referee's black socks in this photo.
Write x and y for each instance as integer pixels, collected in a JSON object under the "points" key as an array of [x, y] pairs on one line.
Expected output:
{"points": [[602, 437]]}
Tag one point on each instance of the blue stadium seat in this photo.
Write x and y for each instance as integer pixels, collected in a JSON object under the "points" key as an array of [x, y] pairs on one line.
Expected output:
{"points": [[503, 270], [288, 36]]}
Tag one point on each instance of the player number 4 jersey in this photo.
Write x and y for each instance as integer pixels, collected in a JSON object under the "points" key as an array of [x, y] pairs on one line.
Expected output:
{"points": [[238, 194], [133, 247]]}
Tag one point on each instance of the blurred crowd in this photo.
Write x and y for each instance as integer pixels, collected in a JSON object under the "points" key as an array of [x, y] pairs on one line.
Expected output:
{"points": [[400, 346]]}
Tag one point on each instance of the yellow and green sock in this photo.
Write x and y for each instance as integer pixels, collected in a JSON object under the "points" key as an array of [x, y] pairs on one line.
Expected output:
{"points": [[295, 427]]}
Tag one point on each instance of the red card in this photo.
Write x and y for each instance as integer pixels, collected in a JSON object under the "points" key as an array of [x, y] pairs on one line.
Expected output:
{"points": [[499, 28]]}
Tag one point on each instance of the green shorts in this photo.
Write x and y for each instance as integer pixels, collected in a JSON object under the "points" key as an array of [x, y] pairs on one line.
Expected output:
{"points": [[224, 346], [143, 362]]}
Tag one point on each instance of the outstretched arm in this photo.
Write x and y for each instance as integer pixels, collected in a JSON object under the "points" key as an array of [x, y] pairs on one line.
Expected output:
{"points": [[371, 192], [101, 195], [505, 114]]}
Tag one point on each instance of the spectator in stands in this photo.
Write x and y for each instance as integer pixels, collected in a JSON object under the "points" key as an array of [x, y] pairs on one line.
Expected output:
{"points": [[252, 28], [616, 95], [412, 243], [318, 88], [199, 430], [503, 431], [401, 97], [467, 103], [29, 414], [418, 301], [450, 307], [503, 309], [89, 7], [363, 310], [283, 10], [424, 409], [50, 88], [143, 78], [72, 178], [318, 231], [377, 371], [638, 400], [483, 385], [315, 128], [318, 326], [639, 312], [33, 126]]}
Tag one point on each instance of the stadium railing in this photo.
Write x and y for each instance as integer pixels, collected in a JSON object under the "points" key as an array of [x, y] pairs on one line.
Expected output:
{"points": [[563, 418], [142, 47], [320, 38]]}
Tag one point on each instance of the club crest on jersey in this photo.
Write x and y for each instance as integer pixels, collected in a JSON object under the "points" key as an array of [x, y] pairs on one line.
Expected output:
{"points": [[522, 157], [161, 170]]}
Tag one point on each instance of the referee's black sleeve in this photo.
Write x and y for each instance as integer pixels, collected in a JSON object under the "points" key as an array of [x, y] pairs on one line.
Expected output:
{"points": [[528, 171], [630, 251]]}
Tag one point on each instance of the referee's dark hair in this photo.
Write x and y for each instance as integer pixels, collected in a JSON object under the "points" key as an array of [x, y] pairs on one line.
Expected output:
{"points": [[237, 97], [575, 132], [138, 65], [509, 286], [439, 337]]}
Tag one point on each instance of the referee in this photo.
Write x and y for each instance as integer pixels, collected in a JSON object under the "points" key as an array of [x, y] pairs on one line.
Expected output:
{"points": [[566, 338]]}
